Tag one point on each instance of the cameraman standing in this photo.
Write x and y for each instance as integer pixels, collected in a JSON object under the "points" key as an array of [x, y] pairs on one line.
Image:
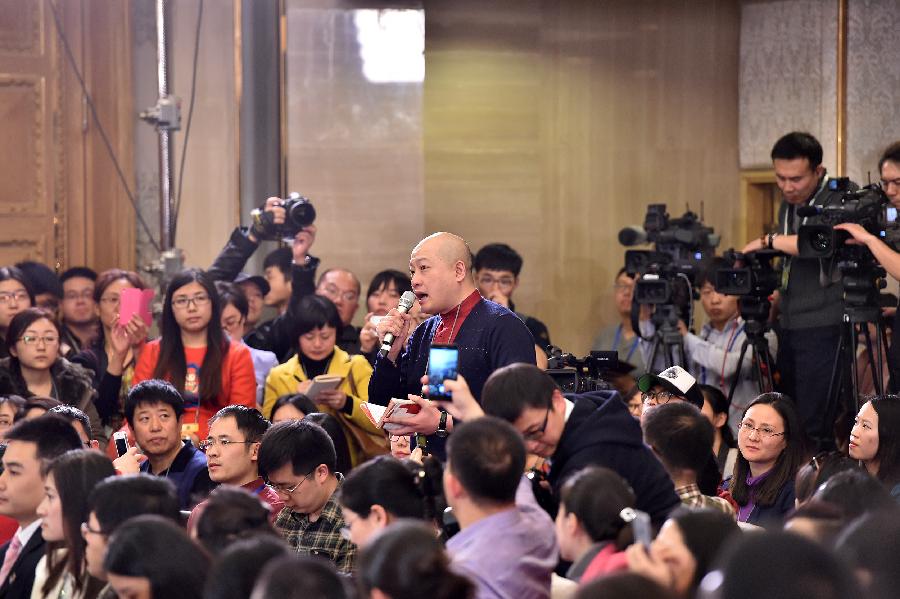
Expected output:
{"points": [[811, 295], [889, 167]]}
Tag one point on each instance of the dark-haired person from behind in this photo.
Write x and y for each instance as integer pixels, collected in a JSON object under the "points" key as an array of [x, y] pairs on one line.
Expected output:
{"points": [[297, 458], [681, 437], [231, 514], [818, 470], [875, 440], [79, 420], [150, 557], [407, 560], [68, 481], [378, 493], [154, 410], [811, 304], [15, 295], [591, 531], [589, 429], [232, 450], [506, 543], [78, 309], [30, 446], [771, 452], [113, 502], [300, 577], [237, 568]]}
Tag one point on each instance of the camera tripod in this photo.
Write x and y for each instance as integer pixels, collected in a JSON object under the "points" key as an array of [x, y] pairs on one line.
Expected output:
{"points": [[666, 338], [763, 364]]}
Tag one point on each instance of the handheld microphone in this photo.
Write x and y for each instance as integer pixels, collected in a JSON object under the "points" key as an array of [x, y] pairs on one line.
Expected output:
{"points": [[406, 303]]}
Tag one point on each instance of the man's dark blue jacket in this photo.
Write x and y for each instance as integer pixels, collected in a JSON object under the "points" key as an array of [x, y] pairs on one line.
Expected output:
{"points": [[489, 338], [601, 432]]}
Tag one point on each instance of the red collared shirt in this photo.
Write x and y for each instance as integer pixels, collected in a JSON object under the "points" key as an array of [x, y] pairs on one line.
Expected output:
{"points": [[451, 322]]}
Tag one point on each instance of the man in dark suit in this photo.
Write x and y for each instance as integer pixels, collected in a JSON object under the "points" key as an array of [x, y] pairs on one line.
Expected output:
{"points": [[30, 444]]}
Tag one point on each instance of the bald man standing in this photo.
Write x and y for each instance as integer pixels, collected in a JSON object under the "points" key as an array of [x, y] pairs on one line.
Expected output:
{"points": [[487, 334]]}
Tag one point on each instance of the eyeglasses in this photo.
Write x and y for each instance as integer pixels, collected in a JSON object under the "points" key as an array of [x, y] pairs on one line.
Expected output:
{"points": [[505, 282], [333, 293], [885, 183], [87, 294], [86, 528], [400, 439], [657, 398], [201, 299], [209, 443], [283, 490], [109, 300], [764, 431], [623, 287], [538, 433], [35, 339], [17, 296]]}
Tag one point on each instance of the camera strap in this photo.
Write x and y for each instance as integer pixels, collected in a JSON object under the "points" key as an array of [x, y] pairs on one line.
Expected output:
{"points": [[618, 338]]}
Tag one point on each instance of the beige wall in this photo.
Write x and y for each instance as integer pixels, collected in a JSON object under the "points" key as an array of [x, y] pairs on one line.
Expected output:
{"points": [[551, 125]]}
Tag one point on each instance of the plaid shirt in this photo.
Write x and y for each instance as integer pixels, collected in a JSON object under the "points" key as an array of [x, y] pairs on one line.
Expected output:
{"points": [[691, 496], [322, 537]]}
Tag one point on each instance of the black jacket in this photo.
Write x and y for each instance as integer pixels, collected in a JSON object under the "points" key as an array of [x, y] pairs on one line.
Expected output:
{"points": [[274, 335], [73, 387], [601, 432], [21, 578]]}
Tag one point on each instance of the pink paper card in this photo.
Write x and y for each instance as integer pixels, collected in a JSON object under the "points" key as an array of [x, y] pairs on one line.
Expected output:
{"points": [[135, 301]]}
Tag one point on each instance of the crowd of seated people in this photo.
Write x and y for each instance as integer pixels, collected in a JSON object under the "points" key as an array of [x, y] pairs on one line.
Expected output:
{"points": [[224, 456]]}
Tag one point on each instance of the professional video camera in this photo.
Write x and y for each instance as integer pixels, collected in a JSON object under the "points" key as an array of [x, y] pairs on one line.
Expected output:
{"points": [[681, 246], [753, 283], [299, 213], [865, 207], [574, 375]]}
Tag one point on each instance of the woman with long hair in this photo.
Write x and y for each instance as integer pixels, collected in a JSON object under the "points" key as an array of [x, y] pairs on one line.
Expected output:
{"points": [[771, 452], [68, 481], [715, 408], [875, 440], [151, 557], [193, 353], [35, 367], [384, 294], [114, 352], [408, 560]]}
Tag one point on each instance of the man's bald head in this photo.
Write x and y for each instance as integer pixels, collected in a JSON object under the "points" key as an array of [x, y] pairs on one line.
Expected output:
{"points": [[448, 247], [441, 270]]}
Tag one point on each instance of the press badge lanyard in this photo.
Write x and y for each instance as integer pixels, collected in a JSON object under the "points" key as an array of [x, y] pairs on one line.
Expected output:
{"points": [[615, 345], [735, 332]]}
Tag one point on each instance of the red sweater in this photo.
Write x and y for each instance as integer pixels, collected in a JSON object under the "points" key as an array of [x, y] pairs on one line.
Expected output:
{"points": [[238, 382]]}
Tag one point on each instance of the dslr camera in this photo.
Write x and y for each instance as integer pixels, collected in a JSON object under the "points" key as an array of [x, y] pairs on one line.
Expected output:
{"points": [[299, 213]]}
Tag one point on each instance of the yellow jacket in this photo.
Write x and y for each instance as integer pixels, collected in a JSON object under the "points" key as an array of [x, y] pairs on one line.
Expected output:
{"points": [[363, 438]]}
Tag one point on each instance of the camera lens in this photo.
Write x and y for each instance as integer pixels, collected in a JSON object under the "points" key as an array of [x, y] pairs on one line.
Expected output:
{"points": [[301, 214], [821, 242]]}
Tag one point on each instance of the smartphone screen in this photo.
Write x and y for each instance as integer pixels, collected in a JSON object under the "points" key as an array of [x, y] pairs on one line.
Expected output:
{"points": [[121, 443], [442, 364]]}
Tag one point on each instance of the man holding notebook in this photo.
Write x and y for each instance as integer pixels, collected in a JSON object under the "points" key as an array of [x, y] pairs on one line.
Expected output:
{"points": [[487, 335]]}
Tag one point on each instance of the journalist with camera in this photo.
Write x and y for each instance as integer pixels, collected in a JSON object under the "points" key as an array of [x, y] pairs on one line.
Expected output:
{"points": [[811, 295], [883, 249]]}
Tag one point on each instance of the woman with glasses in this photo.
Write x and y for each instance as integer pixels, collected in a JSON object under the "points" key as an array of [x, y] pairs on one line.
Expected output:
{"points": [[68, 481], [193, 353], [875, 440], [113, 354], [316, 324], [771, 452], [34, 366], [15, 296]]}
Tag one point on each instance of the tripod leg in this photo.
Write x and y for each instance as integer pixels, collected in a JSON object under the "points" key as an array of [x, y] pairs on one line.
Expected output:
{"points": [[737, 373], [874, 358]]}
